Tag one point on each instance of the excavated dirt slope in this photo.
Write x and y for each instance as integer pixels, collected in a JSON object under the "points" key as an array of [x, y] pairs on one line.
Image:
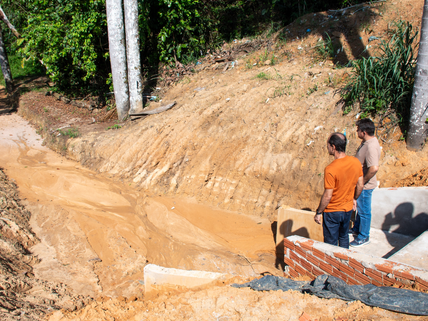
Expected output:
{"points": [[253, 137], [197, 187]]}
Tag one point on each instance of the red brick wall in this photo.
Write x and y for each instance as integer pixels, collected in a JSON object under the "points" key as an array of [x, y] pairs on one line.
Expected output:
{"points": [[308, 257]]}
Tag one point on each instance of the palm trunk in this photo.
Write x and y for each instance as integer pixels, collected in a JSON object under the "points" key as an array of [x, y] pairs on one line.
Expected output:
{"points": [[133, 56], [5, 68], [418, 127], [116, 39]]}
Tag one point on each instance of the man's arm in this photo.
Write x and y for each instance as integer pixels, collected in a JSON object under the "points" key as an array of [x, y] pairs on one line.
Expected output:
{"points": [[325, 199], [372, 170], [358, 189]]}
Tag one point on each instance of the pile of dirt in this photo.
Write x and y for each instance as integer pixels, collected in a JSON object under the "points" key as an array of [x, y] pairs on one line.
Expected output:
{"points": [[420, 178], [22, 296]]}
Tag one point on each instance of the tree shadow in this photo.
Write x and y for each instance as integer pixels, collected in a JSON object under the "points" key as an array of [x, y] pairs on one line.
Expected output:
{"points": [[407, 225]]}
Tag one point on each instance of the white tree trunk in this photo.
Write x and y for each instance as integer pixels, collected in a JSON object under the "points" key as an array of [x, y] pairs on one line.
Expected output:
{"points": [[5, 68], [116, 40], [418, 127], [133, 56]]}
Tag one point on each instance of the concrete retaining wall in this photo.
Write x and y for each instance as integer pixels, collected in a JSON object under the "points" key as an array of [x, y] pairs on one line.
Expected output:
{"points": [[402, 210], [308, 257]]}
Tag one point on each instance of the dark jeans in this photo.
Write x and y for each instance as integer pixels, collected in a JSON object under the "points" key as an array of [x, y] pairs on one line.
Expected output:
{"points": [[335, 228]]}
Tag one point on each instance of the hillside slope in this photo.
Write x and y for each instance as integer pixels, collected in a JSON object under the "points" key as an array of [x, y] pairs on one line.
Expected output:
{"points": [[251, 137]]}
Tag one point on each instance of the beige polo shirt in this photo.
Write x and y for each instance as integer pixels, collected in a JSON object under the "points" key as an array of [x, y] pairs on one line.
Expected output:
{"points": [[369, 155]]}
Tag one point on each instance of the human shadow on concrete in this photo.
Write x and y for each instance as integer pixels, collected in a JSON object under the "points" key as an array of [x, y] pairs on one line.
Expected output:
{"points": [[408, 224], [286, 229]]}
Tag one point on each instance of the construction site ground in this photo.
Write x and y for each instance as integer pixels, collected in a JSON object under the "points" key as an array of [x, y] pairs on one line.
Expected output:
{"points": [[195, 187]]}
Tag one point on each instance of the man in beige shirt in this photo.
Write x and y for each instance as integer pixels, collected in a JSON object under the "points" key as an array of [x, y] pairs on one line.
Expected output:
{"points": [[369, 155]]}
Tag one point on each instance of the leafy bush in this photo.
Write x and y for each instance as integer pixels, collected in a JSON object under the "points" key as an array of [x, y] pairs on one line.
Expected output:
{"points": [[325, 47], [384, 84], [21, 67]]}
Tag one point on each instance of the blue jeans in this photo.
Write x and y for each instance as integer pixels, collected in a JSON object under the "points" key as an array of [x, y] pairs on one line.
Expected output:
{"points": [[364, 214], [335, 228]]}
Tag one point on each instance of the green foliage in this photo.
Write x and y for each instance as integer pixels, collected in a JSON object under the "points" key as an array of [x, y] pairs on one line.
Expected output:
{"points": [[115, 126], [263, 76], [385, 83], [69, 37], [71, 132], [21, 67], [325, 47]]}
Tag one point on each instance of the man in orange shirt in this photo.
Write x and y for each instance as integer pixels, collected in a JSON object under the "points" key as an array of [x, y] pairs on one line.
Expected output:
{"points": [[343, 183]]}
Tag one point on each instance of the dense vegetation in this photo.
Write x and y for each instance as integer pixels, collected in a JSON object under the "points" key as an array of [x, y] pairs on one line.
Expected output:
{"points": [[383, 84], [69, 37]]}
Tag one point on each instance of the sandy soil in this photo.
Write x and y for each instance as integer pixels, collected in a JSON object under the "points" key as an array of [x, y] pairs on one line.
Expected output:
{"points": [[196, 187]]}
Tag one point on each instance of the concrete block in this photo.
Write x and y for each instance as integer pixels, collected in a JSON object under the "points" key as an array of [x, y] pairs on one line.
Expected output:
{"points": [[401, 210], [155, 275], [296, 222], [415, 253]]}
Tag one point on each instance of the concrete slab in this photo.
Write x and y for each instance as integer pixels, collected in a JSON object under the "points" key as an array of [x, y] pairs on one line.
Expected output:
{"points": [[291, 221], [415, 253], [402, 210], [383, 244], [155, 275]]}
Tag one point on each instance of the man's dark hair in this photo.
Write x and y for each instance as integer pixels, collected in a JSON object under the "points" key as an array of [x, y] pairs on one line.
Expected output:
{"points": [[366, 125], [338, 140]]}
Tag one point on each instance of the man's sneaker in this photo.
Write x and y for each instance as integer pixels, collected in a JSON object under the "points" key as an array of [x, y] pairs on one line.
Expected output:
{"points": [[359, 242], [351, 231]]}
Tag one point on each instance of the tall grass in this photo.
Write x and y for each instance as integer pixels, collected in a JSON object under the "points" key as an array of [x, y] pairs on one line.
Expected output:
{"points": [[383, 85], [22, 68]]}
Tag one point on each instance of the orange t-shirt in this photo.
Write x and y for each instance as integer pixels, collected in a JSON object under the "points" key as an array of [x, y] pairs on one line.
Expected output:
{"points": [[342, 176]]}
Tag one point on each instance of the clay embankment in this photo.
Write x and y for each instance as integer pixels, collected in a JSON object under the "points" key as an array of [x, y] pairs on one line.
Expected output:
{"points": [[97, 235], [228, 143]]}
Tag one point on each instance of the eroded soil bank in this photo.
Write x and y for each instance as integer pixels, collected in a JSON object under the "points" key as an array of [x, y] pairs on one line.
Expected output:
{"points": [[97, 235]]}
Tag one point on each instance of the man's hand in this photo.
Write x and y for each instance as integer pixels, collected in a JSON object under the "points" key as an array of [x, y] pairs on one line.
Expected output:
{"points": [[318, 218], [354, 204]]}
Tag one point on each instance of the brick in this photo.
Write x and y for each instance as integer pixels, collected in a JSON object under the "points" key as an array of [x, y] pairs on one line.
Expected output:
{"points": [[316, 271], [339, 274], [346, 269], [373, 272], [361, 278], [352, 281], [373, 276], [374, 282], [356, 265], [315, 261], [326, 267], [319, 254], [300, 251], [341, 256], [385, 267], [306, 265], [305, 317], [421, 286], [293, 273], [308, 245], [388, 281], [294, 257], [421, 281], [404, 274], [332, 261], [299, 269], [288, 261], [289, 244]]}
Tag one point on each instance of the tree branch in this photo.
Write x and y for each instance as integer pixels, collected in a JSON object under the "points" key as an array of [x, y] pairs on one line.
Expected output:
{"points": [[7, 22]]}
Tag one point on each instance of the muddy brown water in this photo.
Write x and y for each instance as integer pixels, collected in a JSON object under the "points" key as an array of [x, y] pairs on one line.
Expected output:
{"points": [[97, 234]]}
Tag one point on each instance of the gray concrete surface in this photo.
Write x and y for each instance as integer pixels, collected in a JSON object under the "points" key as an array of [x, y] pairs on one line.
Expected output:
{"points": [[383, 244], [402, 210], [415, 253]]}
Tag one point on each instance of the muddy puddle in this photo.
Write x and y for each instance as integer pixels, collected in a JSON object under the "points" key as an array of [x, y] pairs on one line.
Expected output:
{"points": [[97, 234]]}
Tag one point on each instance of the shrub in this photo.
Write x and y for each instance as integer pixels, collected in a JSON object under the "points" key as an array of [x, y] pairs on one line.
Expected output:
{"points": [[383, 85]]}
